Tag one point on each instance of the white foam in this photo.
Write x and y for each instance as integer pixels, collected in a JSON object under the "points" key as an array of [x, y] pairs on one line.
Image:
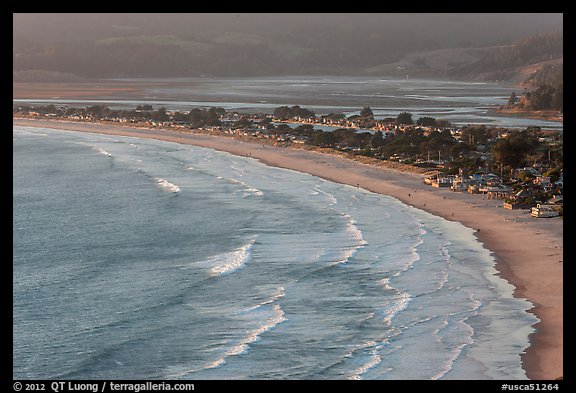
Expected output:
{"points": [[358, 240], [414, 256], [231, 261], [443, 273], [331, 198], [277, 317], [353, 230], [166, 185], [216, 363], [385, 282], [104, 152], [254, 191], [278, 294], [367, 317], [247, 188], [239, 171], [466, 333], [397, 305], [373, 360]]}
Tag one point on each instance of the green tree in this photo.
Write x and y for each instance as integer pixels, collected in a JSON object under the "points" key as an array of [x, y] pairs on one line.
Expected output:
{"points": [[367, 112], [98, 110], [243, 122], [160, 115], [541, 98], [377, 140], [426, 121], [404, 118], [511, 151], [557, 101], [282, 112], [513, 99], [323, 138], [213, 116]]}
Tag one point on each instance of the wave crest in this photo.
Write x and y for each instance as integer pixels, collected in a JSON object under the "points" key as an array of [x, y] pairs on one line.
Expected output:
{"points": [[167, 186], [231, 261]]}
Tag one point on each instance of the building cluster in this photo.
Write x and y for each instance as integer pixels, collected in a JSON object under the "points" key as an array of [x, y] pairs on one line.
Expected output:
{"points": [[537, 194], [522, 188]]}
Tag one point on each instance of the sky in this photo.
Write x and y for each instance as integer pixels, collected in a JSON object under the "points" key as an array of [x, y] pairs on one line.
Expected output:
{"points": [[453, 27]]}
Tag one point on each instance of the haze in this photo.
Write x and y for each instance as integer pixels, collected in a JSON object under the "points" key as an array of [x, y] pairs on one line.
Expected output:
{"points": [[108, 45]]}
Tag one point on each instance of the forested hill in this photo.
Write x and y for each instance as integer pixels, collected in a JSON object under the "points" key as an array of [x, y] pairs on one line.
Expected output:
{"points": [[464, 46], [544, 91], [518, 60]]}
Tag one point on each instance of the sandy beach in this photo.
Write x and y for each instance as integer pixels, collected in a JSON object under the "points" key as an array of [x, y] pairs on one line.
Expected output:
{"points": [[528, 251]]}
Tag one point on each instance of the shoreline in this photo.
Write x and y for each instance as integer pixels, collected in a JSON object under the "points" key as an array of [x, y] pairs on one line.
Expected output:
{"points": [[533, 114], [528, 252]]}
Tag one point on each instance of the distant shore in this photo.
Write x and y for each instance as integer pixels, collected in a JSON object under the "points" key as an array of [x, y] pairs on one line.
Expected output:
{"points": [[528, 251], [540, 115]]}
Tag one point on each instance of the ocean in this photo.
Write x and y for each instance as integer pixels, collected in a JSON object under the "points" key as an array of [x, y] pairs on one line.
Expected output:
{"points": [[144, 259]]}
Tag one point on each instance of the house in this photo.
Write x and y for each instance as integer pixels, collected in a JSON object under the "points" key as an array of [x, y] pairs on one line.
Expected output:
{"points": [[515, 206], [555, 200], [542, 210], [498, 191], [543, 181], [523, 193], [443, 181], [460, 183], [529, 170]]}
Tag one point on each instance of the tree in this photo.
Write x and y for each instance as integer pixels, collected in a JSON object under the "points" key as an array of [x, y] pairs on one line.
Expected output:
{"points": [[404, 118], [283, 128], [195, 117], [160, 115], [512, 151], [285, 112], [323, 138], [282, 112], [474, 135], [557, 101], [302, 112], [541, 98], [426, 121], [303, 129], [243, 122], [366, 112], [377, 139], [98, 110], [513, 99], [346, 137], [213, 116]]}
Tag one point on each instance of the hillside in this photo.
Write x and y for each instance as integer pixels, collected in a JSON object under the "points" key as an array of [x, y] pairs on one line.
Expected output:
{"points": [[518, 62], [466, 46]]}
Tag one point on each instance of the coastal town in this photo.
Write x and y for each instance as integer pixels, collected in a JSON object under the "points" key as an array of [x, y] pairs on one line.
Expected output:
{"points": [[521, 167]]}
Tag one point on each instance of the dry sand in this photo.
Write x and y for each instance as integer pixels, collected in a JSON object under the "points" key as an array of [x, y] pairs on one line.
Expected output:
{"points": [[528, 251]]}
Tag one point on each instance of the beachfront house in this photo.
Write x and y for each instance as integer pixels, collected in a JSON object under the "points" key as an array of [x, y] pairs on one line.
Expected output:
{"points": [[498, 191], [443, 181], [544, 210], [460, 183]]}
